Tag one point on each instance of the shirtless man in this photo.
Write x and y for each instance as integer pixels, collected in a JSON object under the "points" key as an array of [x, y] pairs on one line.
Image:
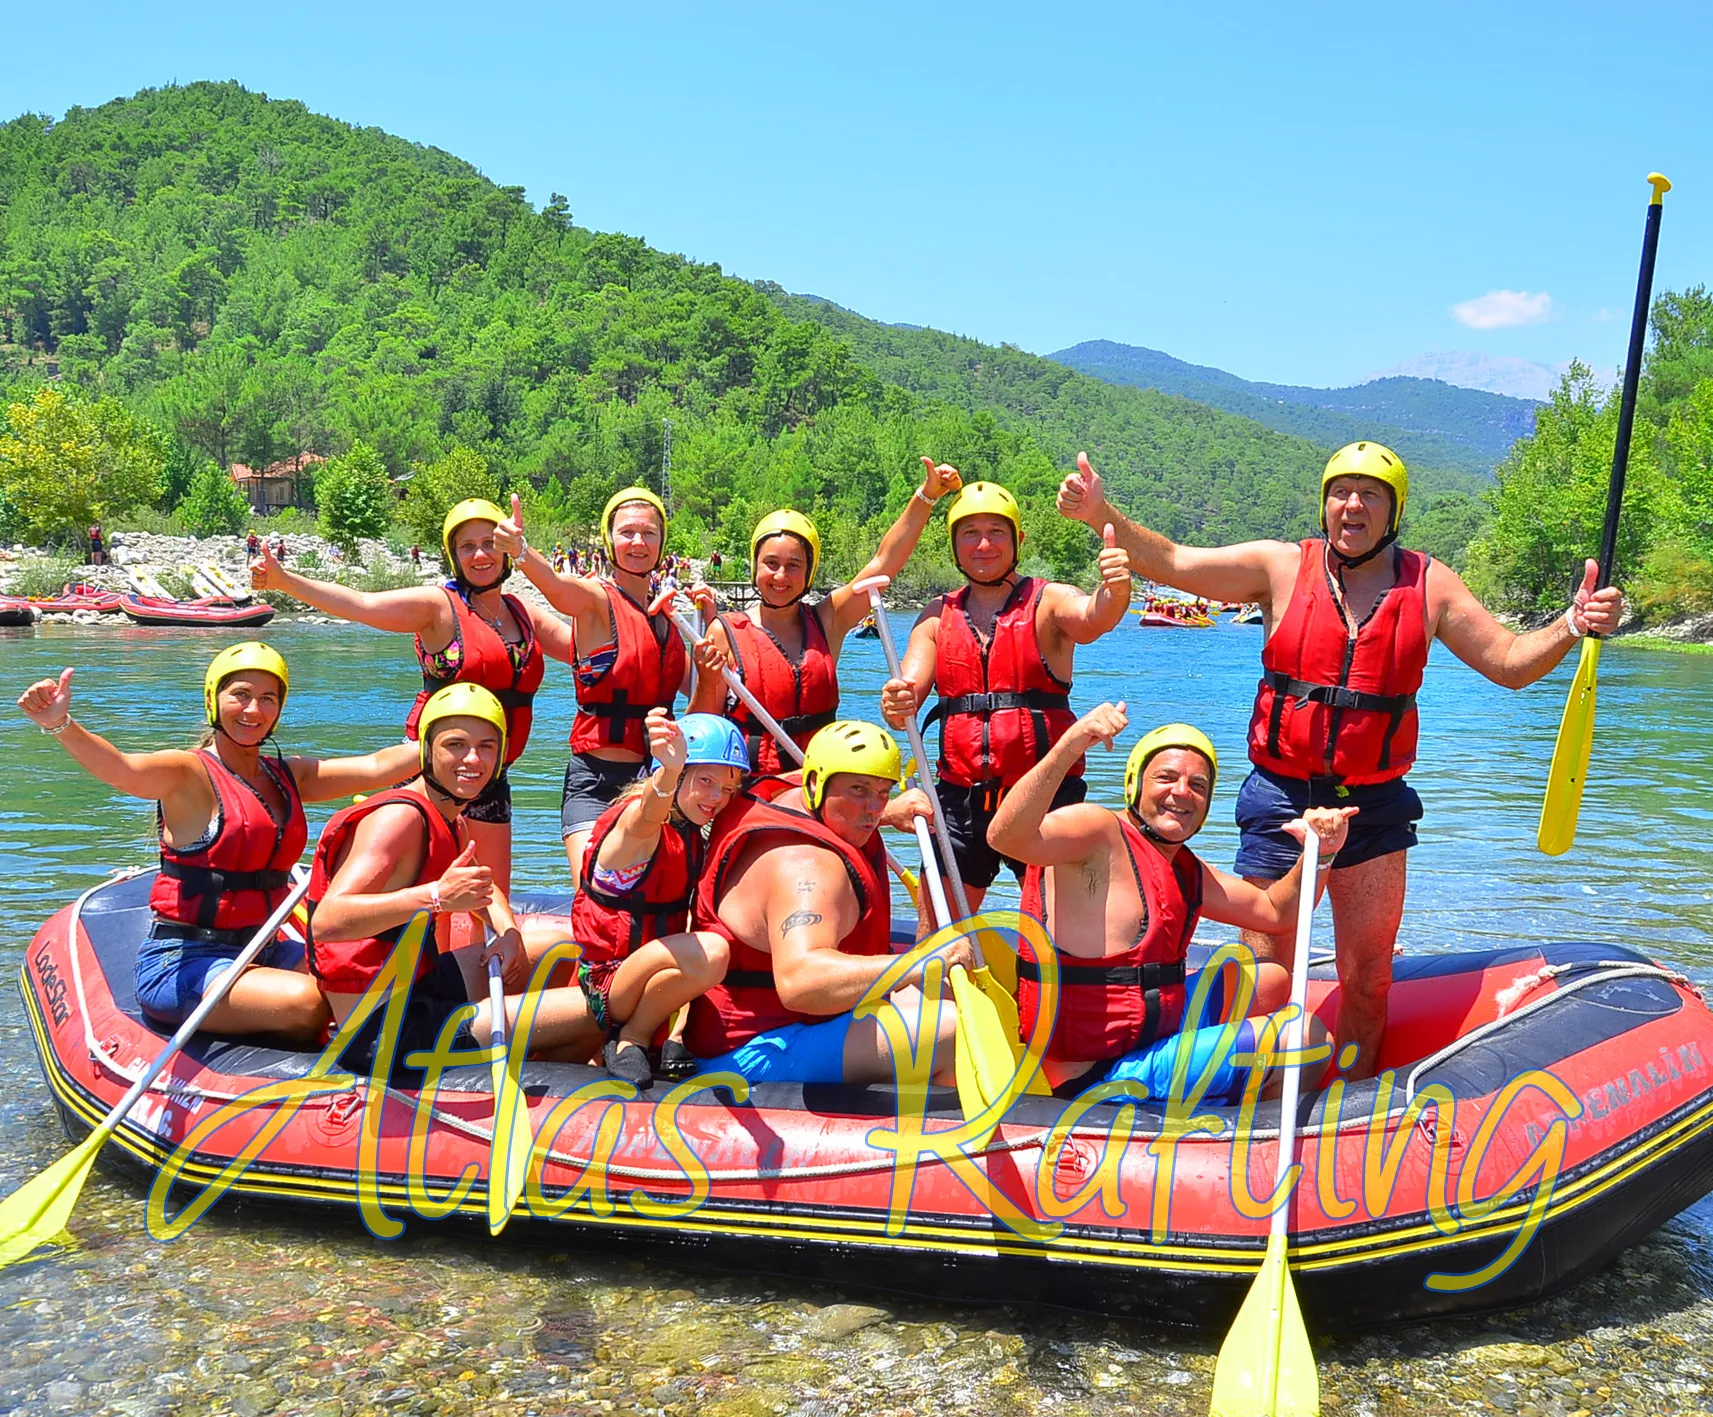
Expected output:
{"points": [[1349, 617], [1120, 894], [796, 883]]}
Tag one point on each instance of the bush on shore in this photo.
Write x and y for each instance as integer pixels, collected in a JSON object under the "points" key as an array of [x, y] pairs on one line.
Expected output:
{"points": [[44, 576]]}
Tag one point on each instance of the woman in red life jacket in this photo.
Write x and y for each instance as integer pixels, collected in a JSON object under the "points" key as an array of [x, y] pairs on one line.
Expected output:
{"points": [[385, 860], [999, 653], [641, 962], [467, 631], [625, 661], [787, 653], [231, 828], [1120, 894]]}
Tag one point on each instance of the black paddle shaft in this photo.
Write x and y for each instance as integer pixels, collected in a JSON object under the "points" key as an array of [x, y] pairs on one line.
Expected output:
{"points": [[1632, 378]]}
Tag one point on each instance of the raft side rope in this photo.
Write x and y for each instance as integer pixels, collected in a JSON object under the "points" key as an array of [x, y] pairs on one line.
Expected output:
{"points": [[1609, 969]]}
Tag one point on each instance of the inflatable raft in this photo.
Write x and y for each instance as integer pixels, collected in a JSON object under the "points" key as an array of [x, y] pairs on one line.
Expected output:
{"points": [[1543, 1109], [210, 610]]}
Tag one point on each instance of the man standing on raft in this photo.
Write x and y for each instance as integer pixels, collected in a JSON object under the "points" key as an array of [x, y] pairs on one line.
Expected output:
{"points": [[1120, 894], [796, 883], [788, 653], [1349, 616], [998, 653]]}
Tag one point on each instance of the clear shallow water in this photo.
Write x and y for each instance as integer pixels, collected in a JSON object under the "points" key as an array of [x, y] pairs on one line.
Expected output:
{"points": [[258, 1313]]}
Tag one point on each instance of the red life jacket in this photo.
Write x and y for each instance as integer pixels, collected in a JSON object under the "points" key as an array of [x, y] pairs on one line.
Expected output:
{"points": [[350, 966], [245, 872], [804, 696], [1003, 707], [1112, 1006], [646, 674], [485, 660], [746, 1002], [610, 927], [1332, 706]]}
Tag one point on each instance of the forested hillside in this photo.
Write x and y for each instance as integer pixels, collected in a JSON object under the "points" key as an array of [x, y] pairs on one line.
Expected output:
{"points": [[1430, 423], [208, 277]]}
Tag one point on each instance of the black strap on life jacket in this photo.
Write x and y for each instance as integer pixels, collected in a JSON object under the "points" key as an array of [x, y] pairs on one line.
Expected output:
{"points": [[1335, 696], [208, 885], [1039, 700], [509, 698], [1137, 976], [748, 979]]}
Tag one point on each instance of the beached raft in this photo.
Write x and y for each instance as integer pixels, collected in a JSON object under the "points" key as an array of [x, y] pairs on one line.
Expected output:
{"points": [[1584, 1056], [209, 610]]}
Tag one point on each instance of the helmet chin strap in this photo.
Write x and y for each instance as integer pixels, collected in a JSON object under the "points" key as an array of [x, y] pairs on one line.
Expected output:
{"points": [[1349, 561], [475, 589], [1009, 572], [784, 604], [1149, 832]]}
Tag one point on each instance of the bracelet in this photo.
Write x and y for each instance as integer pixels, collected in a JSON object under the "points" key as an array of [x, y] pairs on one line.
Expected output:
{"points": [[1570, 623], [927, 502], [64, 724], [522, 546], [434, 896]]}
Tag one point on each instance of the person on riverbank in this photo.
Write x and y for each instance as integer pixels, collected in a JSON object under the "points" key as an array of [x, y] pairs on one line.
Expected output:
{"points": [[641, 962], [999, 653], [231, 829], [467, 631], [1120, 893], [788, 653], [1348, 618], [624, 660], [795, 883], [383, 861], [97, 545]]}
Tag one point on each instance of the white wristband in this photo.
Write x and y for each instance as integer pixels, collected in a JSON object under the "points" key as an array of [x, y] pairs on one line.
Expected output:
{"points": [[434, 896], [1570, 623], [926, 500]]}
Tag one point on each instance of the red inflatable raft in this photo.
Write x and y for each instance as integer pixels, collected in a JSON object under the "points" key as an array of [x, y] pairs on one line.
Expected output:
{"points": [[1543, 1109], [210, 610], [79, 597]]}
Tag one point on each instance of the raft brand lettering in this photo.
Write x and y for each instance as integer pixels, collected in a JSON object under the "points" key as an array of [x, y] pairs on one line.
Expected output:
{"points": [[52, 985], [1079, 1161]]}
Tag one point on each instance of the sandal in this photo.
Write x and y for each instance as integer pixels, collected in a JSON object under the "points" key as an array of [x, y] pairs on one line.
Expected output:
{"points": [[628, 1061], [676, 1061]]}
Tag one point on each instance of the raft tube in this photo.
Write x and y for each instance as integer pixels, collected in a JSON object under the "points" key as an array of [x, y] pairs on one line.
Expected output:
{"points": [[1585, 1056], [210, 610]]}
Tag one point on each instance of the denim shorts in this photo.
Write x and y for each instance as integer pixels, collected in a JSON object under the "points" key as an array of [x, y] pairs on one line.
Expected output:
{"points": [[969, 814], [174, 972], [793, 1052], [1386, 822], [591, 784]]}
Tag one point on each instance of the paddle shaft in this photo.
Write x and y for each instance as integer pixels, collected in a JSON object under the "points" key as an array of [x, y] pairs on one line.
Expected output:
{"points": [[1295, 1028], [1632, 380], [209, 1003], [497, 1008], [787, 744], [895, 667]]}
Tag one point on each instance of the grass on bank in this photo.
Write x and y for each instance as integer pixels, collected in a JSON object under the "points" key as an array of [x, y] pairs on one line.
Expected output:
{"points": [[1660, 642]]}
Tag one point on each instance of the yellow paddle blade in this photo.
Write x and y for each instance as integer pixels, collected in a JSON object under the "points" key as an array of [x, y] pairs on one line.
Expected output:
{"points": [[912, 887], [38, 1211], [985, 1061], [1005, 1006], [1570, 757], [1266, 1367], [514, 1141]]}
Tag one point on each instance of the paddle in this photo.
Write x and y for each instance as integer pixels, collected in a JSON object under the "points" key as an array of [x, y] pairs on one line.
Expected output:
{"points": [[38, 1211], [1266, 1367], [1570, 754], [787, 744], [998, 999], [513, 1138]]}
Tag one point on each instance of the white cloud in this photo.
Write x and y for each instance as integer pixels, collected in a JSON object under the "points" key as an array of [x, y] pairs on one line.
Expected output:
{"points": [[1603, 316], [1498, 309]]}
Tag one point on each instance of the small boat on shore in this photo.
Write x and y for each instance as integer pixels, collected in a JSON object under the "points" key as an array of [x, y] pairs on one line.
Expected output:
{"points": [[78, 597], [15, 610], [1544, 1108], [209, 610]]}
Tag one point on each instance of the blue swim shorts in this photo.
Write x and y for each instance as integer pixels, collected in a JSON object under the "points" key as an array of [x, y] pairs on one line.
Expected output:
{"points": [[1152, 1066], [793, 1052], [1386, 822], [176, 966]]}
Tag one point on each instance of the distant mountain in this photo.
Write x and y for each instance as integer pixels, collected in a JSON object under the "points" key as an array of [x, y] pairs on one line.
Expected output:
{"points": [[1428, 422], [1517, 378]]}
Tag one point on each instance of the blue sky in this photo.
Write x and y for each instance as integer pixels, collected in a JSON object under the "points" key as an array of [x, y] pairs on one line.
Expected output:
{"points": [[1300, 194]]}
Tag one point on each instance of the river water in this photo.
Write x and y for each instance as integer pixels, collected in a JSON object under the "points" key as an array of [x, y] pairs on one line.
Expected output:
{"points": [[258, 1313]]}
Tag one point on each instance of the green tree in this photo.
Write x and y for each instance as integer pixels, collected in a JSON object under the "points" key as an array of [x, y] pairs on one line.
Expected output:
{"points": [[213, 504], [354, 497], [439, 486], [65, 463]]}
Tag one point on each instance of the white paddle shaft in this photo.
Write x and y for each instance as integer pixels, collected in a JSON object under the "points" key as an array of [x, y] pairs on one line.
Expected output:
{"points": [[1293, 1041]]}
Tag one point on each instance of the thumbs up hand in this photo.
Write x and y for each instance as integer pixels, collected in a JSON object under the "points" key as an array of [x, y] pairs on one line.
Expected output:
{"points": [[265, 570], [508, 534], [466, 885], [1596, 612], [47, 702], [1114, 564], [1082, 498], [939, 479]]}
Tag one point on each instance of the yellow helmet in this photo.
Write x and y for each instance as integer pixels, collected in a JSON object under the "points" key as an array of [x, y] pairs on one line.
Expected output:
{"points": [[1169, 735], [619, 499], [791, 524], [1369, 460], [235, 659], [981, 497], [848, 746], [471, 509], [459, 701]]}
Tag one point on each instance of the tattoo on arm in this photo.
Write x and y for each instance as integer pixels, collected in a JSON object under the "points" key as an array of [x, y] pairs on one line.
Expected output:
{"points": [[798, 920]]}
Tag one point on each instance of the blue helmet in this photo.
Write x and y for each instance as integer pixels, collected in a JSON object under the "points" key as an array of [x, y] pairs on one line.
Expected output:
{"points": [[712, 739]]}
